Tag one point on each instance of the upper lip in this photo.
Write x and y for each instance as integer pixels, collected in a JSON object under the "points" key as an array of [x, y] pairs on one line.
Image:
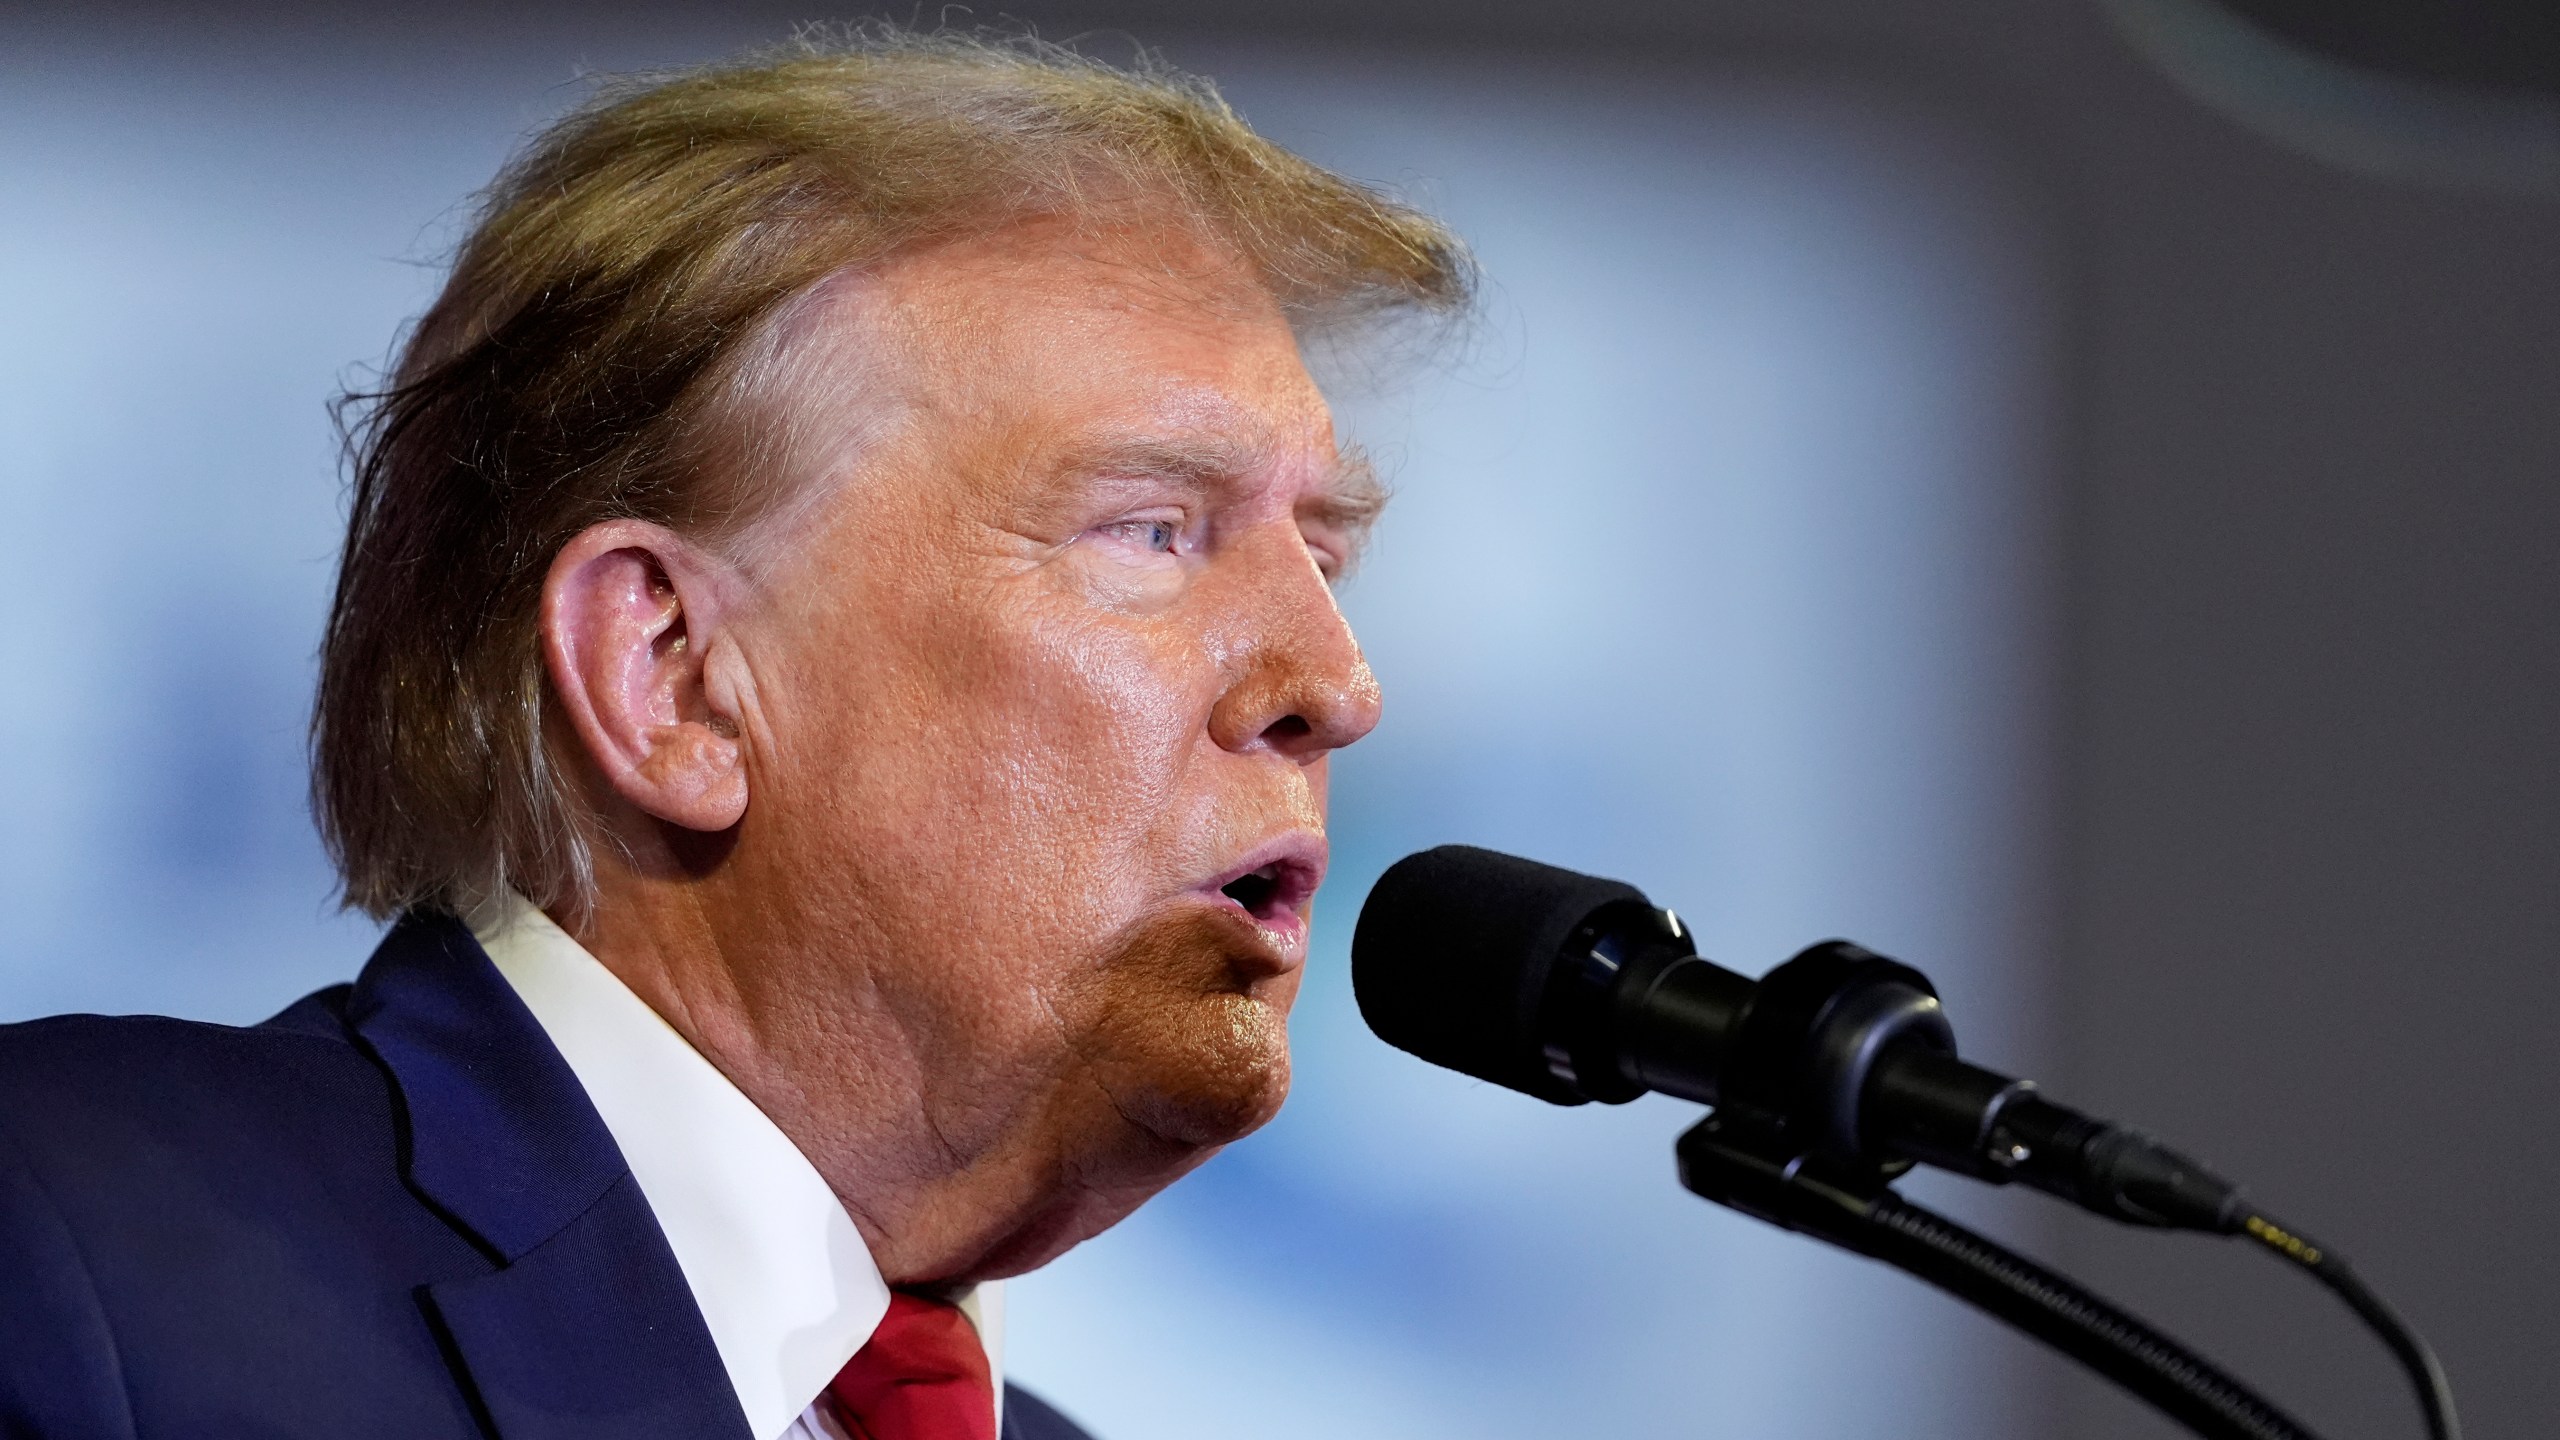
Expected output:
{"points": [[1293, 863]]}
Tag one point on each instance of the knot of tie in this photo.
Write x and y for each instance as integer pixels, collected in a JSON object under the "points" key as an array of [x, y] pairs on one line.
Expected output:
{"points": [[922, 1376]]}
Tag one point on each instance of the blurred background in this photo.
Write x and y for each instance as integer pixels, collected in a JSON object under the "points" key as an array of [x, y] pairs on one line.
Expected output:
{"points": [[2063, 493]]}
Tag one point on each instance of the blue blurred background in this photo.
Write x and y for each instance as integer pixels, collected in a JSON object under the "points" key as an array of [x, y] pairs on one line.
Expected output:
{"points": [[1770, 543]]}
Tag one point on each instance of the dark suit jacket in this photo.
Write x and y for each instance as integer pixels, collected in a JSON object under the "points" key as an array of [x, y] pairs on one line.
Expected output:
{"points": [[388, 1212]]}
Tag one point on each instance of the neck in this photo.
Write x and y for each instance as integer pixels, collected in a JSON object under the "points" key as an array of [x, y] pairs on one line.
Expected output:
{"points": [[806, 1028]]}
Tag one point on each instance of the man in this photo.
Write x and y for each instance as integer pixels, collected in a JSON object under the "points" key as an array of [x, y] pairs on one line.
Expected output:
{"points": [[832, 673]]}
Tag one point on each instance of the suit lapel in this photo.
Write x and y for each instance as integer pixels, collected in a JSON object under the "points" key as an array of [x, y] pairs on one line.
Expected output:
{"points": [[592, 1333], [586, 1326]]}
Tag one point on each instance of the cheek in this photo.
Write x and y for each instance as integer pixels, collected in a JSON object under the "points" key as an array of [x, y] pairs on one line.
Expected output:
{"points": [[999, 775], [1075, 742], [1106, 707]]}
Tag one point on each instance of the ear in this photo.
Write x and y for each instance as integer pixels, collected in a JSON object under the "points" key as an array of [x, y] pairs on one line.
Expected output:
{"points": [[631, 636]]}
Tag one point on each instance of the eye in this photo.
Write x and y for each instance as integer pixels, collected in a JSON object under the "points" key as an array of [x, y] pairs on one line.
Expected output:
{"points": [[1157, 534], [1329, 549]]}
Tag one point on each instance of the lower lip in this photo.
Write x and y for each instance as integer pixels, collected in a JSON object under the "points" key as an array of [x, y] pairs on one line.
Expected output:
{"points": [[1287, 931]]}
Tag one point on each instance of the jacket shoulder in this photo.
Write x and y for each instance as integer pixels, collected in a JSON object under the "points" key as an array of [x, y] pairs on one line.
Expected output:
{"points": [[145, 1124], [109, 1127], [109, 1110], [99, 1079], [59, 1369], [206, 1219]]}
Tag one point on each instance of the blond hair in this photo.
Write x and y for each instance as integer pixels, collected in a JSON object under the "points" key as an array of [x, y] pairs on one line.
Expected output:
{"points": [[576, 366]]}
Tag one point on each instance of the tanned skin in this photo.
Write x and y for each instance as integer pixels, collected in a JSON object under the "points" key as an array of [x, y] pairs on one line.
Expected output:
{"points": [[966, 811]]}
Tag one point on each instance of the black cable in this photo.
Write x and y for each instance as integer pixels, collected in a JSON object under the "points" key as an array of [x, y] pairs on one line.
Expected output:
{"points": [[2435, 1393], [1732, 1164], [2181, 1384]]}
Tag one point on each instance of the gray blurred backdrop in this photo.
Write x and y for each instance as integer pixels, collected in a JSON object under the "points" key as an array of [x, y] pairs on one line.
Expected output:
{"points": [[2064, 493]]}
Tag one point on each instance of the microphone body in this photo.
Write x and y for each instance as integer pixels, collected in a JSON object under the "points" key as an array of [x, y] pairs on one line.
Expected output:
{"points": [[1830, 1075], [1576, 989]]}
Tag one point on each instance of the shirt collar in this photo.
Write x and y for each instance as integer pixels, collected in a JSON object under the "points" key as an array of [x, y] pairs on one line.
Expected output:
{"points": [[784, 1281]]}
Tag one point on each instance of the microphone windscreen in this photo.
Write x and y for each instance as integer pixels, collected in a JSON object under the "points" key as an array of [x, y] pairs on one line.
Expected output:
{"points": [[1451, 958]]}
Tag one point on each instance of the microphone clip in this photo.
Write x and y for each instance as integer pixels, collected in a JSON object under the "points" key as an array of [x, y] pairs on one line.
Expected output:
{"points": [[1808, 1043], [1746, 1164]]}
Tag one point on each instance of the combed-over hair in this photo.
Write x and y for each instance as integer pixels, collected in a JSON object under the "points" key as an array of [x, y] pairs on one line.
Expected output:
{"points": [[576, 363]]}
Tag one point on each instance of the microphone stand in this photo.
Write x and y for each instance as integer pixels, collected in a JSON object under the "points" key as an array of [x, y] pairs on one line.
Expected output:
{"points": [[1830, 1076], [1839, 1043], [1741, 1166]]}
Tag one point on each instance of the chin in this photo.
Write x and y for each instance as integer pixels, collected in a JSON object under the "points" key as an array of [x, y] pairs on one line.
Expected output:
{"points": [[1181, 1044], [1175, 1044], [1125, 1141], [1209, 1081], [1185, 1029]]}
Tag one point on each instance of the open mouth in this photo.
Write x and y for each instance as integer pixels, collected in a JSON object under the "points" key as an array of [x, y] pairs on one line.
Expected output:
{"points": [[1275, 893], [1257, 892]]}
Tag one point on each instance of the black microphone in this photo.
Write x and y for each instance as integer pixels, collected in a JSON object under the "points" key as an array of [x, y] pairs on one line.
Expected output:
{"points": [[1574, 988], [1830, 1075]]}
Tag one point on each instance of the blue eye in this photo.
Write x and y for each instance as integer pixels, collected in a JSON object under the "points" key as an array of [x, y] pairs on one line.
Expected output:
{"points": [[1159, 536]]}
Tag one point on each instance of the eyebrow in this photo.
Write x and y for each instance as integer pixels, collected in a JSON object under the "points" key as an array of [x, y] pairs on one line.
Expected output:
{"points": [[1350, 503], [1208, 464]]}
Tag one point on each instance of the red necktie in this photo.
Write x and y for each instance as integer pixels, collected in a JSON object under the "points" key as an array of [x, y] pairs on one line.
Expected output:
{"points": [[922, 1376]]}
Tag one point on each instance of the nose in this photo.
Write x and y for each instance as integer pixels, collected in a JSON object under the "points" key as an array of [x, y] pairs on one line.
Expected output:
{"points": [[1299, 685]]}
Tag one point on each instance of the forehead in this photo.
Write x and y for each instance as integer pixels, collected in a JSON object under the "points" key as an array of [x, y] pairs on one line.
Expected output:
{"points": [[1102, 331], [1006, 371]]}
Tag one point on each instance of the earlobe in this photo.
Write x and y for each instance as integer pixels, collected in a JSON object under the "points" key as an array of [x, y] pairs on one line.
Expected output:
{"points": [[693, 776], [631, 617]]}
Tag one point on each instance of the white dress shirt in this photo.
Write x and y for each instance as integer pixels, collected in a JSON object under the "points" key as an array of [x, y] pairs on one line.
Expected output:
{"points": [[783, 1279]]}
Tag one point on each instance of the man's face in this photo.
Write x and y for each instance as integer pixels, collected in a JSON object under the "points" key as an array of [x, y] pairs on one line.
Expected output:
{"points": [[1044, 689]]}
